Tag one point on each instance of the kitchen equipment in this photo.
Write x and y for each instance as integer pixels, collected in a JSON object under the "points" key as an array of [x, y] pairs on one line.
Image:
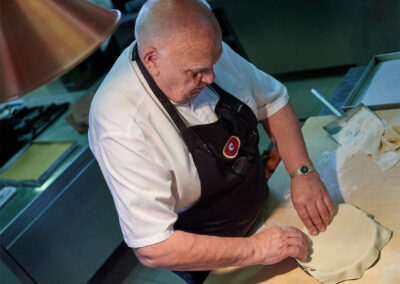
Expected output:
{"points": [[36, 164], [379, 86], [21, 125], [6, 193], [334, 127]]}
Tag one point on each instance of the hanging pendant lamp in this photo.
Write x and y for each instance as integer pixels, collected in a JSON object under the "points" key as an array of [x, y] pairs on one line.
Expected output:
{"points": [[41, 40]]}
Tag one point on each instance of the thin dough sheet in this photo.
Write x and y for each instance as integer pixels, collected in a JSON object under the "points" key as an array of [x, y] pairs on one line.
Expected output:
{"points": [[350, 245]]}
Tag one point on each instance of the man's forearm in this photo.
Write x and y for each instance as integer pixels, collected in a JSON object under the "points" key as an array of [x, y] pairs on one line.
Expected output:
{"points": [[186, 251], [284, 129]]}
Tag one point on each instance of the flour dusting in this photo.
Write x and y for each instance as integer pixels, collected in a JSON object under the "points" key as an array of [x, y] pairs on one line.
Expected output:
{"points": [[326, 166], [390, 270]]}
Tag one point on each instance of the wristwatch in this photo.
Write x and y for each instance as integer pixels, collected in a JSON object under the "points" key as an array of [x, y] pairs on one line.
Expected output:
{"points": [[302, 170]]}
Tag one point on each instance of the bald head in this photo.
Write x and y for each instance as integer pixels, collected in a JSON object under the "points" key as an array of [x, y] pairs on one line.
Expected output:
{"points": [[179, 43], [176, 22]]}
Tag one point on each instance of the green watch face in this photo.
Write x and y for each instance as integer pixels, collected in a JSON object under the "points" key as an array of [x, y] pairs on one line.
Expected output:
{"points": [[304, 170]]}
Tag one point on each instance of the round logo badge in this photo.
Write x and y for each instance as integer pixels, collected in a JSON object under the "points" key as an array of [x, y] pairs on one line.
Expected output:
{"points": [[231, 148]]}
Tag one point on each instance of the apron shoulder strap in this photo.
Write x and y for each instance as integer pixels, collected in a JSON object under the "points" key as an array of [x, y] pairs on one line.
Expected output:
{"points": [[169, 107], [176, 117]]}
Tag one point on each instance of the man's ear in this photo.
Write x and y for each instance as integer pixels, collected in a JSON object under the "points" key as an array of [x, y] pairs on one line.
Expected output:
{"points": [[151, 60]]}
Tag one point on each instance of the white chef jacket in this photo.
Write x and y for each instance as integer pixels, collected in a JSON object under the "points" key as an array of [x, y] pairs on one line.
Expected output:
{"points": [[146, 164]]}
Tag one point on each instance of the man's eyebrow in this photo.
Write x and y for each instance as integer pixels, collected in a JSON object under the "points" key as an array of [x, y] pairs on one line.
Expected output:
{"points": [[197, 69]]}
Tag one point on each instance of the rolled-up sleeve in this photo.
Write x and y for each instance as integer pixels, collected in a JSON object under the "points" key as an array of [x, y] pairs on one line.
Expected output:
{"points": [[269, 94], [140, 186]]}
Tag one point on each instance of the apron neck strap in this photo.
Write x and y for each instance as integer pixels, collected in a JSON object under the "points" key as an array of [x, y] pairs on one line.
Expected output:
{"points": [[176, 117], [169, 107]]}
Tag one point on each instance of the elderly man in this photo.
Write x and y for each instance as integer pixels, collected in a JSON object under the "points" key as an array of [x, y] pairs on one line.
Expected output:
{"points": [[174, 129]]}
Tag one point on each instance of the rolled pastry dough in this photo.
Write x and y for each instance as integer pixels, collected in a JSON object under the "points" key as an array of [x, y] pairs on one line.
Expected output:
{"points": [[386, 160], [362, 133], [389, 152], [395, 123], [390, 139], [368, 134], [348, 247]]}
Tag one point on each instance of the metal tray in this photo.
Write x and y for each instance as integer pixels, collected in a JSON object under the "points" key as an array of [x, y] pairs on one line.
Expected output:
{"points": [[378, 88], [45, 173]]}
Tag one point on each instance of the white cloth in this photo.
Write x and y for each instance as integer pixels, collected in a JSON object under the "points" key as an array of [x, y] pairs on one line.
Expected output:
{"points": [[146, 164]]}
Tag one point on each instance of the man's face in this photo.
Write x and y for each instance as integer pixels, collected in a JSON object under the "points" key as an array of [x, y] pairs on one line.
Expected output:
{"points": [[187, 68]]}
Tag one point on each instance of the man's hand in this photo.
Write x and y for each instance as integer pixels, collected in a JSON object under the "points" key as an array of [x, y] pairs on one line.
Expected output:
{"points": [[309, 195], [312, 202], [278, 243]]}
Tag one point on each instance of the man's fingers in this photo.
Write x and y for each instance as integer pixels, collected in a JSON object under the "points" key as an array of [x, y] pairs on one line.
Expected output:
{"points": [[297, 252], [305, 218], [300, 242], [296, 237], [293, 232], [329, 204], [323, 212], [315, 217], [295, 242]]}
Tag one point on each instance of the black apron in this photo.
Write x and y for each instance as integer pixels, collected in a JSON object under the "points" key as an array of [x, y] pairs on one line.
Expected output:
{"points": [[232, 176]]}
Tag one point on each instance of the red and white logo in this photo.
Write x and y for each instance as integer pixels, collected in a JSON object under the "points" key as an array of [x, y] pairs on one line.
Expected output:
{"points": [[231, 148]]}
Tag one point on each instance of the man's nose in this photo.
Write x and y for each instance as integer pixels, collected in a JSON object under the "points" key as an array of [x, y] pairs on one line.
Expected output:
{"points": [[208, 77]]}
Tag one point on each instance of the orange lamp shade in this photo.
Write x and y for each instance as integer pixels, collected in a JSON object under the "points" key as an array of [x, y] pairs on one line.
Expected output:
{"points": [[41, 40]]}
